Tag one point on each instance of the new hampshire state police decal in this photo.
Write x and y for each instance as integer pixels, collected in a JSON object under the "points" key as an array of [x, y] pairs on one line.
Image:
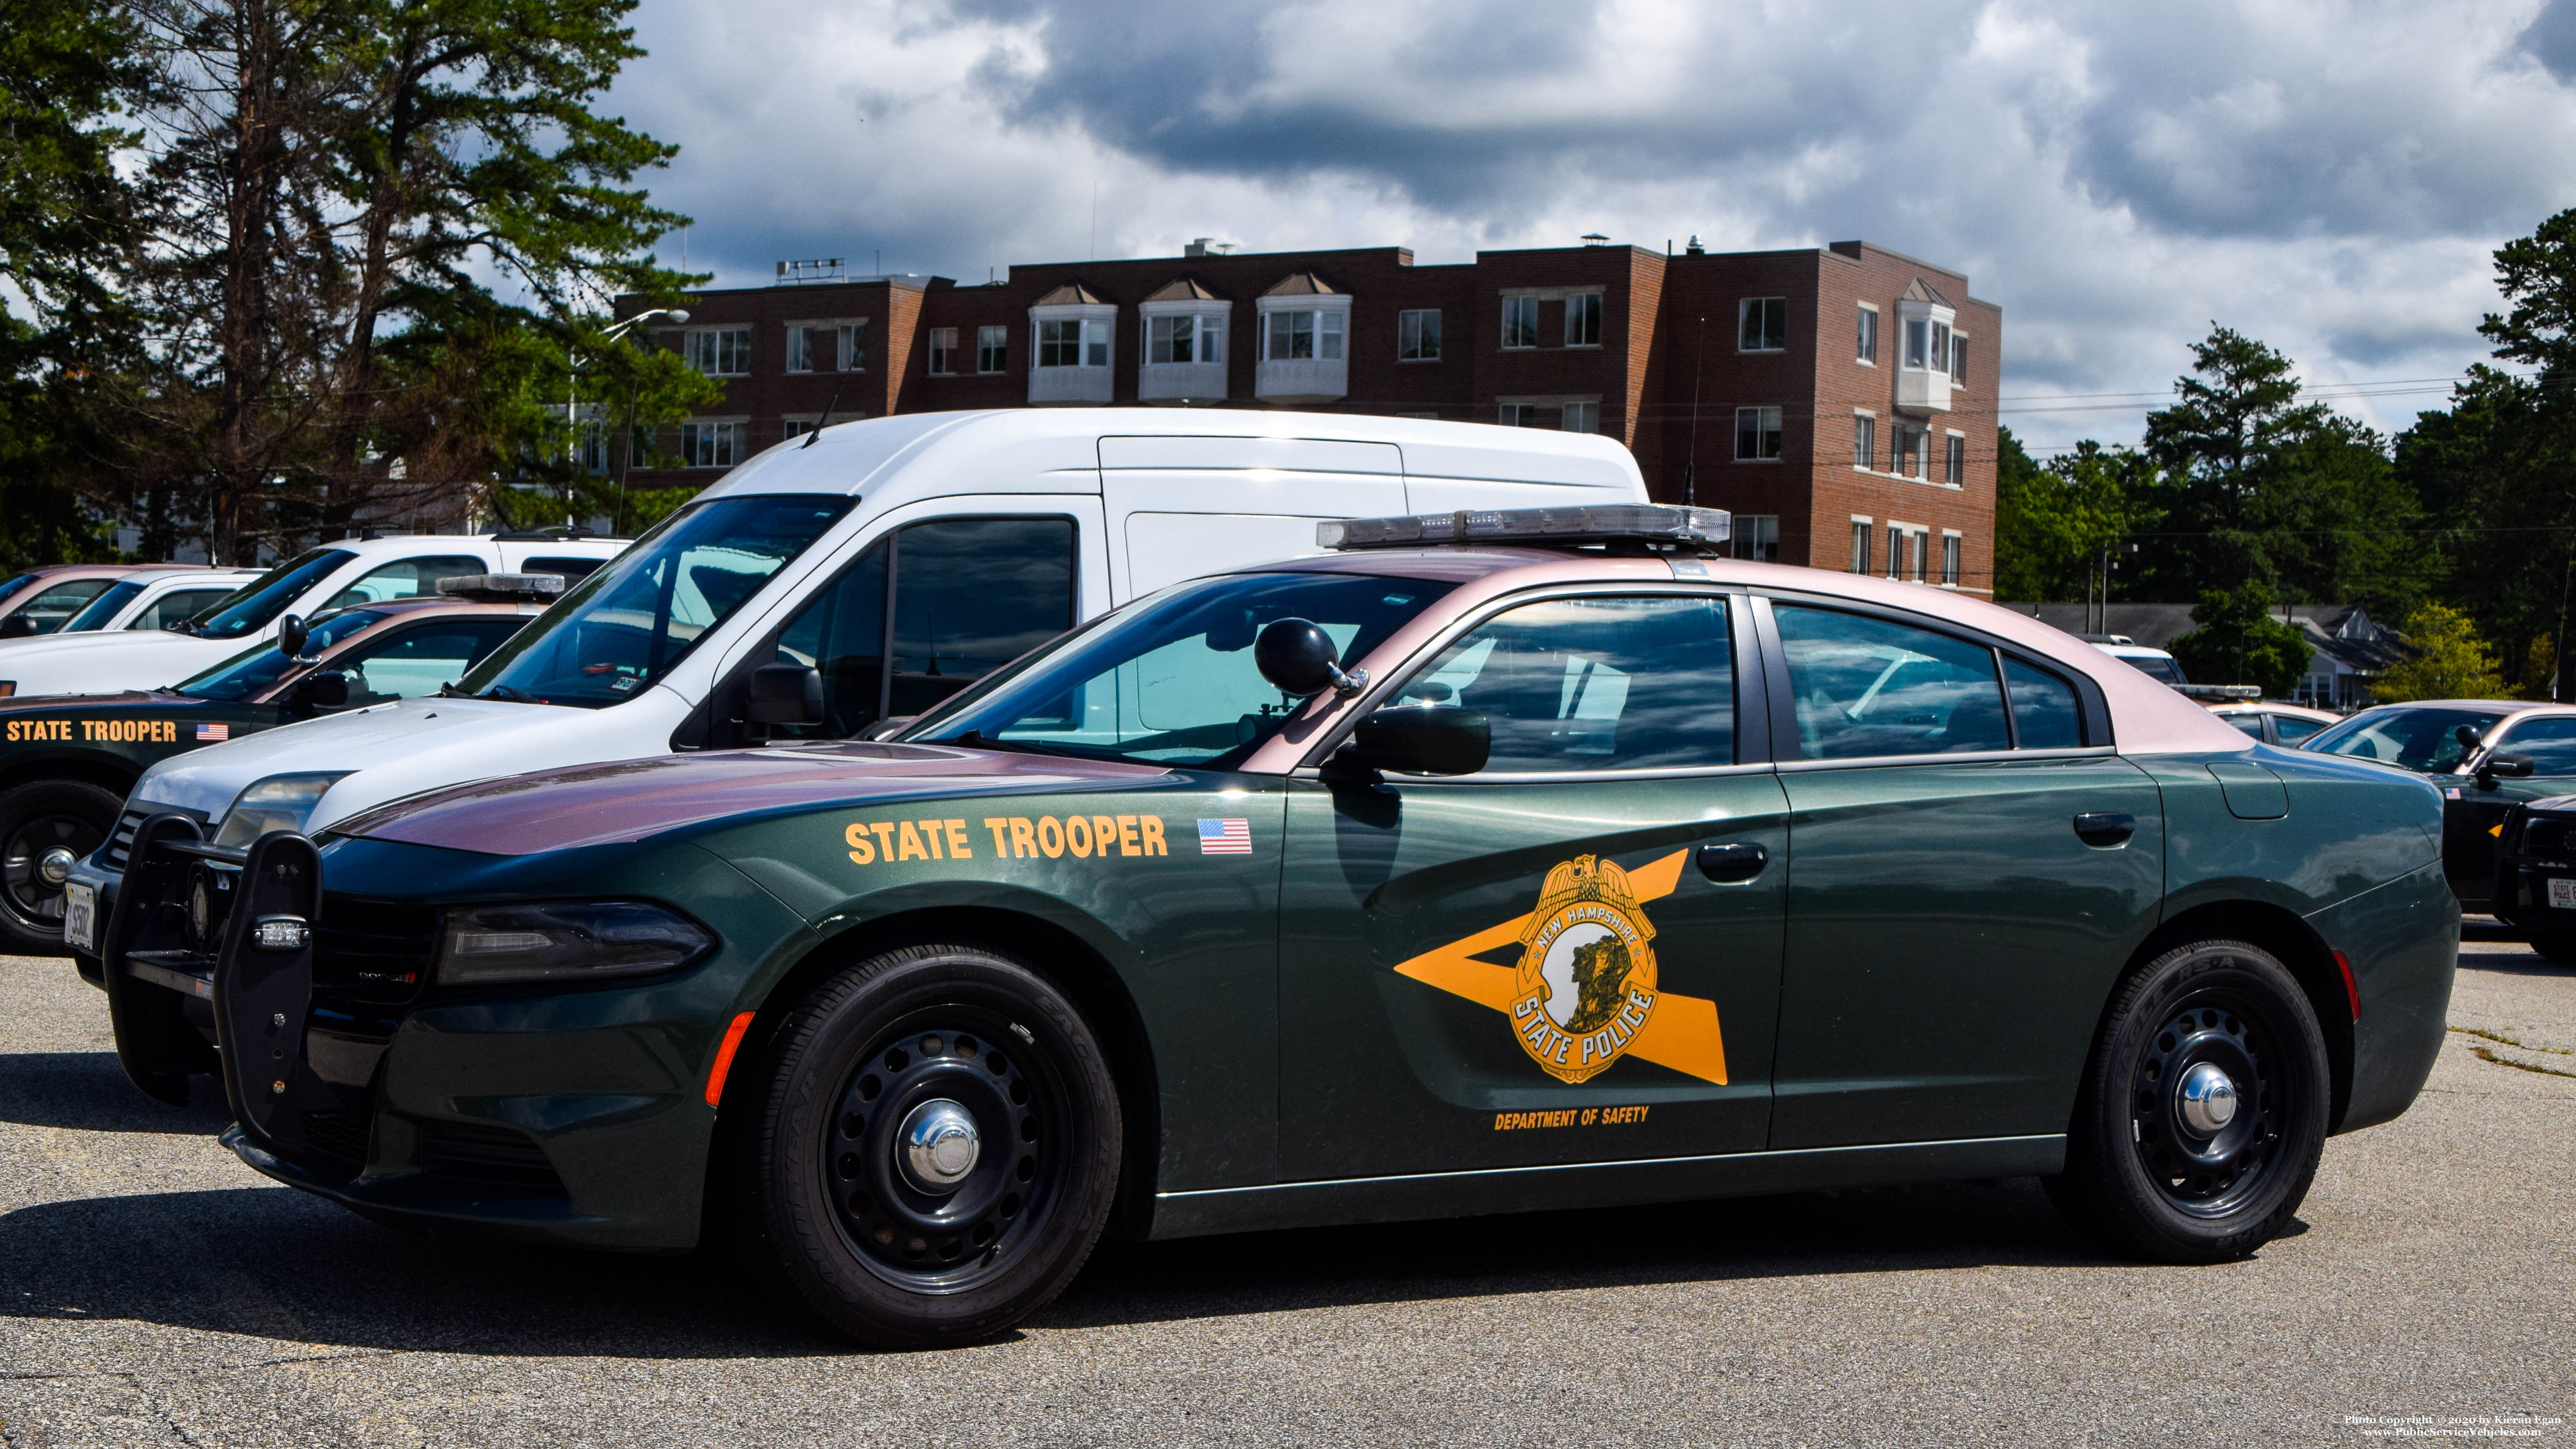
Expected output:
{"points": [[1586, 983]]}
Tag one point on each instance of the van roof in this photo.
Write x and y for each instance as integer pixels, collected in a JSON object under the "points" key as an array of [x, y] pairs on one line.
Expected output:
{"points": [[1058, 450]]}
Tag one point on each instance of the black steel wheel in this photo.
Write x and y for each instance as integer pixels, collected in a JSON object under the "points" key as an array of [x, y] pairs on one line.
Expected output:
{"points": [[938, 1146], [36, 820], [2203, 1110]]}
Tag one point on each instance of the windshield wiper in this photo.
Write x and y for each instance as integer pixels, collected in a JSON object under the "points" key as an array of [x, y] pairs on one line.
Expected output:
{"points": [[978, 740], [510, 692]]}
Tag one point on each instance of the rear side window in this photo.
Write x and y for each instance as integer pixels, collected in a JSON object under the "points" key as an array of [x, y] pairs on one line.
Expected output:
{"points": [[176, 607], [1866, 687], [408, 578], [2045, 713], [572, 569], [1595, 684], [2293, 728]]}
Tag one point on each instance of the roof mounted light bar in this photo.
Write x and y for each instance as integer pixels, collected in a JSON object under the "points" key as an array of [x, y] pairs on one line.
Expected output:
{"points": [[502, 588], [1656, 527]]}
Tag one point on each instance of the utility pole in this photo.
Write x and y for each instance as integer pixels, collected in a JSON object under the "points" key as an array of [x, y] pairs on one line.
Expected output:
{"points": [[2558, 641]]}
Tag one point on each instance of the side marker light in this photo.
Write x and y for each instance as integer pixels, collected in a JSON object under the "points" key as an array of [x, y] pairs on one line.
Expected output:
{"points": [[733, 1042], [2351, 988]]}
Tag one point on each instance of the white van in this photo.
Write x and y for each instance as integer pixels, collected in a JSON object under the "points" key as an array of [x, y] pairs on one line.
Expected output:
{"points": [[316, 581], [897, 559]]}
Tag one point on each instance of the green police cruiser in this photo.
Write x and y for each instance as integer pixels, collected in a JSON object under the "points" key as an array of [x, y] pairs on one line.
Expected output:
{"points": [[1490, 862]]}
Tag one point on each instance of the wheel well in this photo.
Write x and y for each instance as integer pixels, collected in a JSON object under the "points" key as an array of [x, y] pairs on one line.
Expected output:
{"points": [[2292, 942], [1065, 959], [119, 783]]}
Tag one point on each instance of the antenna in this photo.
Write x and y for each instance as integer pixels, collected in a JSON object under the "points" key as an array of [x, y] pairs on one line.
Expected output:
{"points": [[816, 436], [1690, 469]]}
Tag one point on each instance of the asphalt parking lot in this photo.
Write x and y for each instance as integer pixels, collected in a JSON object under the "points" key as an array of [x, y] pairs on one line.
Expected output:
{"points": [[153, 1290]]}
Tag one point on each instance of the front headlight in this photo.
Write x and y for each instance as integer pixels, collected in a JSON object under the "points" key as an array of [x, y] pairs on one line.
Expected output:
{"points": [[280, 802], [565, 941]]}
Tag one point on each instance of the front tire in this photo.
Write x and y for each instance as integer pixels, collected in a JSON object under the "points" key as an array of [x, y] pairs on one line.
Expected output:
{"points": [[2202, 1112], [2553, 941], [37, 817], [938, 1147]]}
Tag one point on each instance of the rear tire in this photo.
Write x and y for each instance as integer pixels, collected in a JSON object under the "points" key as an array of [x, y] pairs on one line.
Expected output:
{"points": [[2156, 1164], [906, 1248], [34, 818]]}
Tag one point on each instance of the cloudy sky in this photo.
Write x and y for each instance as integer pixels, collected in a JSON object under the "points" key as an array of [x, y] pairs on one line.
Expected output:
{"points": [[2329, 177]]}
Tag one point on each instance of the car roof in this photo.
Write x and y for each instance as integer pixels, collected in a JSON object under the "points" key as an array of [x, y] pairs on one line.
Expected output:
{"points": [[2496, 706]]}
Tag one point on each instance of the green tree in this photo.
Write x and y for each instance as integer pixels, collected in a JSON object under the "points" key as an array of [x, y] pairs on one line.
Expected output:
{"points": [[2239, 642], [2450, 660], [2052, 523]]}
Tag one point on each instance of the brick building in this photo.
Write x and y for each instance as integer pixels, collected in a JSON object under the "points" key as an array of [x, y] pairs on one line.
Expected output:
{"points": [[1840, 401]]}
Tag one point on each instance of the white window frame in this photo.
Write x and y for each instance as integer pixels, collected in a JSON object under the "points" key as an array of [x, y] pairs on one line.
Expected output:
{"points": [[1587, 414], [723, 440], [1516, 414], [1769, 423], [1751, 533], [1952, 546], [1408, 334], [1958, 358], [1864, 529], [992, 341], [1918, 342], [1865, 336], [1326, 331], [1865, 441], [1519, 312], [1207, 335], [1745, 309], [1587, 306], [707, 351], [1089, 339], [943, 352], [1954, 459]]}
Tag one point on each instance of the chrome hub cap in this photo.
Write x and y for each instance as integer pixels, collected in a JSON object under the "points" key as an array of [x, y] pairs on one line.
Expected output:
{"points": [[2207, 1100], [55, 866], [2210, 1101], [940, 1146]]}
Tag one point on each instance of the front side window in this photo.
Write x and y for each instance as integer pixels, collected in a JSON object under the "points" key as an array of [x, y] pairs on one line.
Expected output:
{"points": [[1867, 687], [1580, 417], [1417, 336], [1595, 684], [420, 661], [992, 348], [1762, 324], [725, 353], [1866, 349], [1520, 323], [710, 444], [1171, 679], [1583, 320], [248, 609], [2292, 728], [1864, 441], [943, 351], [96, 613], [1757, 435], [250, 673], [2551, 743], [2426, 740], [625, 627], [1755, 536], [408, 578]]}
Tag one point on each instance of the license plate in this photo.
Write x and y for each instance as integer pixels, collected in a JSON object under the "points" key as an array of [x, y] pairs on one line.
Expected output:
{"points": [[80, 915], [2562, 894]]}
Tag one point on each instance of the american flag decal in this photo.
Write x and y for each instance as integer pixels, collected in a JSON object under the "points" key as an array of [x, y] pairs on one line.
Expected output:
{"points": [[214, 734], [1225, 837]]}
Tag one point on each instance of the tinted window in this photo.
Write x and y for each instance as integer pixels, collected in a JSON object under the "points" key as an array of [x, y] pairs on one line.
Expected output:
{"points": [[971, 595], [2161, 670], [11, 589], [574, 570], [103, 608], [54, 607], [841, 633], [1171, 680], [176, 607], [248, 609], [636, 616], [2045, 713], [404, 579], [2294, 728], [2551, 743], [2249, 724], [1869, 687], [249, 673], [1595, 684], [2413, 739], [418, 661]]}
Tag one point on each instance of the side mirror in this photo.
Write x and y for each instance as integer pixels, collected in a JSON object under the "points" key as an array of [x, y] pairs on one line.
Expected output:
{"points": [[2510, 767], [1422, 739], [1298, 656], [292, 635], [17, 626], [788, 694], [328, 690], [2467, 735]]}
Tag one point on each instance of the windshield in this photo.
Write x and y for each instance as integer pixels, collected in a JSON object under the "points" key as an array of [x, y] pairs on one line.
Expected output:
{"points": [[247, 674], [102, 608], [626, 625], [248, 609], [2416, 739], [1170, 680]]}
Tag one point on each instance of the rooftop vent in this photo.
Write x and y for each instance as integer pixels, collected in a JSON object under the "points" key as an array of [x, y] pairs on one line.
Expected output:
{"points": [[1694, 249], [1595, 239], [1208, 246]]}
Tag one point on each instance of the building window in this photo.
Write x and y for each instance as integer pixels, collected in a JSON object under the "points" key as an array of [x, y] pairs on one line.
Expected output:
{"points": [[1756, 536], [853, 340], [1950, 560], [1867, 351], [1583, 320], [1581, 417], [1860, 546], [992, 348], [1895, 552], [1301, 335], [943, 351], [1954, 467], [1073, 342], [1517, 415], [1184, 339], [710, 445], [1762, 324], [1958, 360], [593, 447], [1914, 546], [1417, 336], [1918, 340], [794, 428], [1940, 346], [800, 350], [720, 354], [1907, 459], [1864, 441], [1757, 435], [1520, 323]]}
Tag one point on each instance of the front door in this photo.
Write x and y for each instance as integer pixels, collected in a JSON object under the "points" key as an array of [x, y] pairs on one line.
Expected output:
{"points": [[1530, 964], [1970, 878]]}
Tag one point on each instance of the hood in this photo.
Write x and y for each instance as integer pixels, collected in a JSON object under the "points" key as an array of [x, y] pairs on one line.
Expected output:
{"points": [[148, 698], [633, 799], [109, 660], [209, 779]]}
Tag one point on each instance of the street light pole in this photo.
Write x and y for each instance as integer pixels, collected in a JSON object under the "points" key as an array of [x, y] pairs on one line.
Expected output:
{"points": [[572, 420]]}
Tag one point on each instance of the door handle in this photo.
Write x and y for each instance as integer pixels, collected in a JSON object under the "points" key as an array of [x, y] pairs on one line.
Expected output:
{"points": [[1733, 863], [2104, 829]]}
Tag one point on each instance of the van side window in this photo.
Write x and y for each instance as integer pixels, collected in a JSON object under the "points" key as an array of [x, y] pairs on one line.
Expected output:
{"points": [[841, 633], [409, 578], [574, 570]]}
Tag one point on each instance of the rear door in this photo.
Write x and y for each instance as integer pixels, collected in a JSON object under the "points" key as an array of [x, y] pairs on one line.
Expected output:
{"points": [[1972, 867], [1183, 507]]}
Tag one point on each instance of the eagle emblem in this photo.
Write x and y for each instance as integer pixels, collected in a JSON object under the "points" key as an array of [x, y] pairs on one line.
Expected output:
{"points": [[1586, 982]]}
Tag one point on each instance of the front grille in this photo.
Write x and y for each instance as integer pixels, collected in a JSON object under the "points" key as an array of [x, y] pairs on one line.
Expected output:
{"points": [[120, 844], [485, 1150], [371, 953], [342, 1135]]}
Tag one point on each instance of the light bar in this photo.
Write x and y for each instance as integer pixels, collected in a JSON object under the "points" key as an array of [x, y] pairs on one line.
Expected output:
{"points": [[1651, 524], [489, 587]]}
